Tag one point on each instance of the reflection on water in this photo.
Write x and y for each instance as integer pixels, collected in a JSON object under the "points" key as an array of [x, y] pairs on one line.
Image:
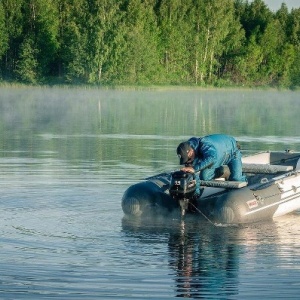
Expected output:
{"points": [[137, 119], [204, 260], [68, 155], [205, 264], [213, 262]]}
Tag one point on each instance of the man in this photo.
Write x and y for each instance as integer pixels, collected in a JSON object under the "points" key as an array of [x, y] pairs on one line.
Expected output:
{"points": [[207, 154]]}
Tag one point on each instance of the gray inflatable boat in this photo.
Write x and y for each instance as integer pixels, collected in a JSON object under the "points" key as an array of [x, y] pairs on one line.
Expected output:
{"points": [[272, 190]]}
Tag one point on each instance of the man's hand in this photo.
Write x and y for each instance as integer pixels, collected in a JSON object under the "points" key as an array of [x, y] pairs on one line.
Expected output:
{"points": [[188, 169]]}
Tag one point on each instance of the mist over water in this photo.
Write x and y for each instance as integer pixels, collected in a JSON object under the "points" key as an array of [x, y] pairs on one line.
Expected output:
{"points": [[68, 155]]}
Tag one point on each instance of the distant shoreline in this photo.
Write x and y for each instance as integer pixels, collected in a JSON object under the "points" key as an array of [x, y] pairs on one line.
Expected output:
{"points": [[142, 87]]}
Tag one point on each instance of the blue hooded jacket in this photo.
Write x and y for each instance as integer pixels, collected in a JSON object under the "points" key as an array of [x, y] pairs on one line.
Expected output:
{"points": [[213, 151]]}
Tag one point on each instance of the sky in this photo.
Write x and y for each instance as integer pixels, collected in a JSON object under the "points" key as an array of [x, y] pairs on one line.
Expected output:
{"points": [[274, 5]]}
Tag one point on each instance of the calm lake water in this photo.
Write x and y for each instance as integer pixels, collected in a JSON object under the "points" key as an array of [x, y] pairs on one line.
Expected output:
{"points": [[68, 155]]}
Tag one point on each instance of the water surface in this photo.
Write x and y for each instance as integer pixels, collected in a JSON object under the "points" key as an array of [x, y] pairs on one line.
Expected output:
{"points": [[68, 155]]}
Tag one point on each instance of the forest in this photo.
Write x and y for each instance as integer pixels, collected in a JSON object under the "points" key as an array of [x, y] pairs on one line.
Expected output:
{"points": [[149, 42]]}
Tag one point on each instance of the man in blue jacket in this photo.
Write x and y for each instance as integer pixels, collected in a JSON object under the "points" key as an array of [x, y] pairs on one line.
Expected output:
{"points": [[207, 154]]}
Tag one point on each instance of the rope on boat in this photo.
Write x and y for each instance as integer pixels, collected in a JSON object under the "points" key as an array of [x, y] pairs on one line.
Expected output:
{"points": [[199, 211]]}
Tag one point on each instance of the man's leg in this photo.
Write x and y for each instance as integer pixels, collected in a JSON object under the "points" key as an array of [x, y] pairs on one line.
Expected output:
{"points": [[235, 166]]}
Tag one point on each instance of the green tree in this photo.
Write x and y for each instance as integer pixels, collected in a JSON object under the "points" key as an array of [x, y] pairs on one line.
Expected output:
{"points": [[27, 66], [282, 15], [295, 71], [217, 36], [149, 41], [293, 27], [38, 40], [13, 18], [293, 30], [249, 64], [3, 32], [104, 23], [175, 35], [255, 18], [234, 47], [289, 62], [271, 68], [140, 62], [73, 40], [47, 32]]}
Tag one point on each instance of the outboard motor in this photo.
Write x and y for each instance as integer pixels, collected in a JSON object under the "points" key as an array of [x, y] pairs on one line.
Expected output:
{"points": [[182, 189]]}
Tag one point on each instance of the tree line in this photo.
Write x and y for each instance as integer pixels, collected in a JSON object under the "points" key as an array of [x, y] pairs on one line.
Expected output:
{"points": [[180, 42]]}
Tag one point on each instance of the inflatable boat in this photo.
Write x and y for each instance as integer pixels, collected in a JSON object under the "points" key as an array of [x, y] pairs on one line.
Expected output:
{"points": [[272, 190]]}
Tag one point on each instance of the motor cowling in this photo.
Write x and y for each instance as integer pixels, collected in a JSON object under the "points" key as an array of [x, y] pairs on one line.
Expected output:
{"points": [[183, 185]]}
